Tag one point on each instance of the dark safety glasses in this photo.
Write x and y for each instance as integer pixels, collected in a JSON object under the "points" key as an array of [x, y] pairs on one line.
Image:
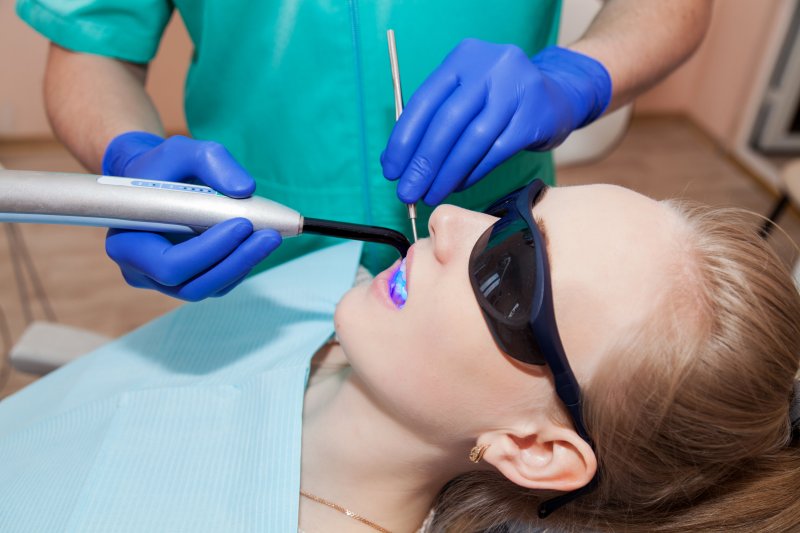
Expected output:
{"points": [[510, 275]]}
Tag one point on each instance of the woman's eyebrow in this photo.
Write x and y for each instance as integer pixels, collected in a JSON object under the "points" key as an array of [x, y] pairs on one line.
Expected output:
{"points": [[539, 221], [543, 230]]}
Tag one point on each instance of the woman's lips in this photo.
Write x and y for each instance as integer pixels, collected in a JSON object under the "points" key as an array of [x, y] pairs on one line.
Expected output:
{"points": [[380, 285]]}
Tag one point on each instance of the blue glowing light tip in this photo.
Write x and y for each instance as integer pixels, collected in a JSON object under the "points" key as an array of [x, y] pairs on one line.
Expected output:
{"points": [[397, 286]]}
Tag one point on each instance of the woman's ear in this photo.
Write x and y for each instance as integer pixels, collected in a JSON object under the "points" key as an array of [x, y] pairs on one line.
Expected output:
{"points": [[556, 458]]}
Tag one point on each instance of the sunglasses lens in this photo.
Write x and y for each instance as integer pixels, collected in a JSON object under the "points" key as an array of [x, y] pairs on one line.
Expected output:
{"points": [[503, 269]]}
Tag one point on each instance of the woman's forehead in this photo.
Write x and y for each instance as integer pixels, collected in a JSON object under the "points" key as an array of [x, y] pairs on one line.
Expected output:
{"points": [[610, 251], [606, 216]]}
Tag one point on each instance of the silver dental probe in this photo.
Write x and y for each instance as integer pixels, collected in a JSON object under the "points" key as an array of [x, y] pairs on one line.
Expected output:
{"points": [[398, 110]]}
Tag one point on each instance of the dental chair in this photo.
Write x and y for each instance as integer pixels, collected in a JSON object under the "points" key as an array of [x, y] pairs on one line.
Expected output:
{"points": [[47, 345]]}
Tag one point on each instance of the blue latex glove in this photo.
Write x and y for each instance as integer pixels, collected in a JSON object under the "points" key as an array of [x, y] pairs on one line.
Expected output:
{"points": [[482, 105], [210, 264]]}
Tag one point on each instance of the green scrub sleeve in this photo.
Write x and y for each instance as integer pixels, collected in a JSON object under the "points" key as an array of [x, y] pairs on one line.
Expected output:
{"points": [[123, 29]]}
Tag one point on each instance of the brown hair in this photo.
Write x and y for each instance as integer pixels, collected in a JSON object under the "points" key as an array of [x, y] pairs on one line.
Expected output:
{"points": [[690, 413]]}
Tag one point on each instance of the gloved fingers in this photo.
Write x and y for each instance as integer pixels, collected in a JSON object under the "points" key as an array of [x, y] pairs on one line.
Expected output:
{"points": [[506, 145], [218, 169], [551, 126], [417, 115], [231, 269], [180, 158], [476, 141], [140, 281], [154, 256], [237, 265], [232, 285], [447, 126], [198, 288]]}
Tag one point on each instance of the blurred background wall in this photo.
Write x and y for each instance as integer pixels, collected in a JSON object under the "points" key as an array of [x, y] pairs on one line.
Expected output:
{"points": [[714, 85], [23, 54]]}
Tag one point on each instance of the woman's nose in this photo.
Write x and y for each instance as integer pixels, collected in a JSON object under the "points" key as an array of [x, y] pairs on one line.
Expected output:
{"points": [[454, 230]]}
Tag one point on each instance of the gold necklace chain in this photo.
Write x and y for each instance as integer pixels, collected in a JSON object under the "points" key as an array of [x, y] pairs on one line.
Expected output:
{"points": [[344, 511]]}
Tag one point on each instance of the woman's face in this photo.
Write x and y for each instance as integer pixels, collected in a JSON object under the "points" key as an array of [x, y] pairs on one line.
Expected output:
{"points": [[434, 362]]}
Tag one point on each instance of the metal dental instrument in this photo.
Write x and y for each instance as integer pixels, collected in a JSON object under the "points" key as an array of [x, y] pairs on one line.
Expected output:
{"points": [[163, 206], [398, 110]]}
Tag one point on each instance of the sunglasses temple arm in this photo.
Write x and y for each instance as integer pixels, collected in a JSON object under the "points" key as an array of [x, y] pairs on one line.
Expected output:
{"points": [[547, 507], [571, 398]]}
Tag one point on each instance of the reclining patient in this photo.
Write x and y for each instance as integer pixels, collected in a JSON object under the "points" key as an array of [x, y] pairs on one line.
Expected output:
{"points": [[606, 361]]}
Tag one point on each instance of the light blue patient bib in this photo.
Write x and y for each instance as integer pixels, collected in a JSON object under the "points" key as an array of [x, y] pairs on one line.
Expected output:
{"points": [[192, 423]]}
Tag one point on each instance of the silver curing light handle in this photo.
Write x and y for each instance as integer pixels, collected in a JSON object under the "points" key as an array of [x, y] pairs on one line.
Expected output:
{"points": [[132, 203]]}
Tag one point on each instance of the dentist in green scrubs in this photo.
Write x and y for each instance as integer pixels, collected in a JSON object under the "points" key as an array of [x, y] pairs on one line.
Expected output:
{"points": [[292, 100]]}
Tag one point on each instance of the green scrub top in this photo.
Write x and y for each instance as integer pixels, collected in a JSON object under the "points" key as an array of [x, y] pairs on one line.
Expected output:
{"points": [[300, 92]]}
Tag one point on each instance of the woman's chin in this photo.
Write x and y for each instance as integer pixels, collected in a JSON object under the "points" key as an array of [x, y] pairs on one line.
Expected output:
{"points": [[355, 312]]}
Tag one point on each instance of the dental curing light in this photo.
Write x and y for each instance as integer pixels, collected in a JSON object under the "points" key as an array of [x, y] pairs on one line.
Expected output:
{"points": [[162, 206]]}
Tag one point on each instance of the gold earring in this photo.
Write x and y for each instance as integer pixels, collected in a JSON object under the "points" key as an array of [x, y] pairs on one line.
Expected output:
{"points": [[477, 451]]}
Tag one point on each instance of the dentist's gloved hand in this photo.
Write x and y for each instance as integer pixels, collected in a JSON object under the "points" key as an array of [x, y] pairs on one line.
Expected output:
{"points": [[482, 105], [210, 264]]}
